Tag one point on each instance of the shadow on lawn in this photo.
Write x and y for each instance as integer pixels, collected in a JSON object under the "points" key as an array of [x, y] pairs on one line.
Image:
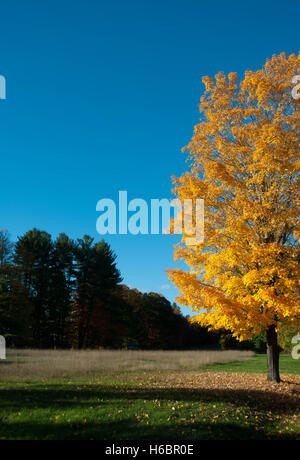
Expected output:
{"points": [[60, 398], [67, 396], [6, 363], [129, 430]]}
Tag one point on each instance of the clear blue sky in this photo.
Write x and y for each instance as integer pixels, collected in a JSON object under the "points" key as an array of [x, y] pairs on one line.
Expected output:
{"points": [[102, 95]]}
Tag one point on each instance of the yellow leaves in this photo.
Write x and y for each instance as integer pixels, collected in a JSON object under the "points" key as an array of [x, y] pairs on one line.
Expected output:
{"points": [[208, 82], [244, 160], [232, 78]]}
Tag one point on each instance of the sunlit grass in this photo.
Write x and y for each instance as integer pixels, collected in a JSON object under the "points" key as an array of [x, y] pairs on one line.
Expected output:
{"points": [[224, 400]]}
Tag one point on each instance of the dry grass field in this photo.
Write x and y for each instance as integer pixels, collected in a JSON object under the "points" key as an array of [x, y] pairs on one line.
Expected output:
{"points": [[36, 364]]}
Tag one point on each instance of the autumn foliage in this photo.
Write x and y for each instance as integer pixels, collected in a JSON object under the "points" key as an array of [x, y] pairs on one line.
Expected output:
{"points": [[244, 162]]}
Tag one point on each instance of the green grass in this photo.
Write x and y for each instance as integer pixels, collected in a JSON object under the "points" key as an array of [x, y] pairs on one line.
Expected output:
{"points": [[258, 364], [138, 406]]}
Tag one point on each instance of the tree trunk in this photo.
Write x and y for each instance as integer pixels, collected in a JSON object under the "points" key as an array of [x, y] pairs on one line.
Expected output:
{"points": [[273, 355]]}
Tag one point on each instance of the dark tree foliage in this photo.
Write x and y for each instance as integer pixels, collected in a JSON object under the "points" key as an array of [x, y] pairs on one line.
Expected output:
{"points": [[34, 260], [96, 277], [15, 307], [63, 293]]}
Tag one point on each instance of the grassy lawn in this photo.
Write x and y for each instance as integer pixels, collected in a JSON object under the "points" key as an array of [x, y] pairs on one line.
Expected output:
{"points": [[219, 401], [258, 364]]}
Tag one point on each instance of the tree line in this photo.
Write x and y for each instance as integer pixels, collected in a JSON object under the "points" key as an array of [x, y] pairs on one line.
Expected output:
{"points": [[61, 293]]}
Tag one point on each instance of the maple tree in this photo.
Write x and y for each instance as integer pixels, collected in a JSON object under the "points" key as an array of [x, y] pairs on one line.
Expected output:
{"points": [[244, 162]]}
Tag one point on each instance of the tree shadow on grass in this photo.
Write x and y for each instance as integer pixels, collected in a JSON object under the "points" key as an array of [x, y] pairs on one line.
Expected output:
{"points": [[69, 395], [128, 430], [54, 397], [6, 362]]}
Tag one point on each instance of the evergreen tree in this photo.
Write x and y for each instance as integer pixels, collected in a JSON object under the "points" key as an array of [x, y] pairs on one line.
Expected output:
{"points": [[34, 260], [96, 276], [15, 308]]}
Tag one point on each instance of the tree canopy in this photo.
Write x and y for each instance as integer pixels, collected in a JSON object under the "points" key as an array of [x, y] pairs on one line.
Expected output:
{"points": [[244, 162]]}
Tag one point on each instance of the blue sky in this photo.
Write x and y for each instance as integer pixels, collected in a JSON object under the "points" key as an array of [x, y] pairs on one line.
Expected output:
{"points": [[102, 96]]}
